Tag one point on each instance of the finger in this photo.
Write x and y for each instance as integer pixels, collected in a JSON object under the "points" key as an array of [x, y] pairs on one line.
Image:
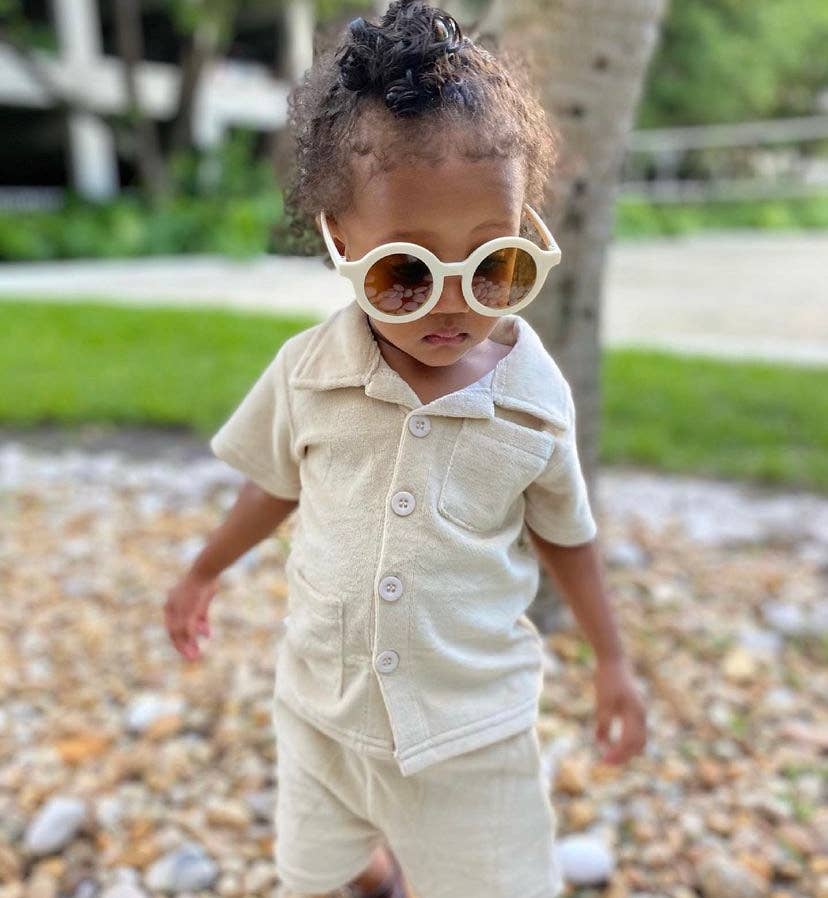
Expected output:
{"points": [[193, 631], [616, 753], [183, 641], [629, 743], [183, 645], [190, 649], [175, 635], [203, 623], [603, 724]]}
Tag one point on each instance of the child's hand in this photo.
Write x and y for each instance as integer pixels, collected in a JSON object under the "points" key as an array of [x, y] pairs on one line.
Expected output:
{"points": [[617, 695], [185, 612]]}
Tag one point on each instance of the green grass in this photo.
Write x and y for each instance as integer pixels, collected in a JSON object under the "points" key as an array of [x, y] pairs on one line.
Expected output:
{"points": [[90, 362], [755, 420], [175, 367]]}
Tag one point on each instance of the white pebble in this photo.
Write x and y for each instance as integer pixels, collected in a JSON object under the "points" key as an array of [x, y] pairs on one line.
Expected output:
{"points": [[584, 859], [55, 824]]}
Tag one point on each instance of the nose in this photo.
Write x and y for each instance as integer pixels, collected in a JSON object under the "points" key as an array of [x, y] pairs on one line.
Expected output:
{"points": [[451, 299]]}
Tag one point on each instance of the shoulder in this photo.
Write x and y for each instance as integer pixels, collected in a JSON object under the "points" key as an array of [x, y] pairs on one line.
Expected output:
{"points": [[292, 350], [529, 379], [293, 353]]}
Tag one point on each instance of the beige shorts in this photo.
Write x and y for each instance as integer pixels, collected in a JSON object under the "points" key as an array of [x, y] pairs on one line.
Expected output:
{"points": [[479, 824]]}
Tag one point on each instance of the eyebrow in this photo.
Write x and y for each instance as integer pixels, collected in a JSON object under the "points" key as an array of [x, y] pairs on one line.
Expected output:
{"points": [[415, 235]]}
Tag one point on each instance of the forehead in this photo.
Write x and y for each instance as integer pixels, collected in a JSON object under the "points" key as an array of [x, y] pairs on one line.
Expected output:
{"points": [[452, 195]]}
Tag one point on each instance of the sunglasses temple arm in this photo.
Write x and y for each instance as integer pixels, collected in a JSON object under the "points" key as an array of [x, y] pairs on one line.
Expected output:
{"points": [[336, 256], [542, 229]]}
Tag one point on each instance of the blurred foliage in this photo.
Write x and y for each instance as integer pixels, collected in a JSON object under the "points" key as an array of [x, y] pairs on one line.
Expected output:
{"points": [[20, 31], [190, 15], [130, 227], [335, 10], [731, 60], [228, 202], [638, 218], [243, 225], [718, 60]]}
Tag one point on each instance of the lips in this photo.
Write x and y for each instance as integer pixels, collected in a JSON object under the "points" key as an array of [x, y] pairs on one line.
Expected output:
{"points": [[437, 340], [445, 335]]}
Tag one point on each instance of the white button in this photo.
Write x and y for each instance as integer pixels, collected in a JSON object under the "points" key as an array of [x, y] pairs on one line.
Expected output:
{"points": [[403, 503], [385, 662], [419, 425], [390, 588]]}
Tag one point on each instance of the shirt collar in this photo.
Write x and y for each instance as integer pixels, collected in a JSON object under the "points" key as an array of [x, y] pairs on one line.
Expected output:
{"points": [[344, 353]]}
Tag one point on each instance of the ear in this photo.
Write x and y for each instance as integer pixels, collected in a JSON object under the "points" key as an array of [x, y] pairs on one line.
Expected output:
{"points": [[336, 233]]}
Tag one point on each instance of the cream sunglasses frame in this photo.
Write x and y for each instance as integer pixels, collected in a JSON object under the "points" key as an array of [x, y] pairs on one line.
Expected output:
{"points": [[355, 271]]}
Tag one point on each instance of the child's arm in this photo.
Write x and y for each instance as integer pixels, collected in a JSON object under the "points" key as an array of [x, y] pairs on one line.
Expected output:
{"points": [[577, 572], [254, 515]]}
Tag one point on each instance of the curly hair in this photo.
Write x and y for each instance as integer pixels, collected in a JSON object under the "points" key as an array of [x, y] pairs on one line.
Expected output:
{"points": [[412, 87]]}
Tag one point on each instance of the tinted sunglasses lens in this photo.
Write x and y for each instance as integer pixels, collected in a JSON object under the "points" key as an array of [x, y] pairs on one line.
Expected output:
{"points": [[398, 284], [504, 277]]}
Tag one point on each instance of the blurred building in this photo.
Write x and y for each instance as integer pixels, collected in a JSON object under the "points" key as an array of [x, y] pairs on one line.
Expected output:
{"points": [[44, 147]]}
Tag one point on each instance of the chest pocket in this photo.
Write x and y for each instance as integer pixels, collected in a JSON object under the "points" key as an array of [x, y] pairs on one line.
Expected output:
{"points": [[314, 631], [491, 464]]}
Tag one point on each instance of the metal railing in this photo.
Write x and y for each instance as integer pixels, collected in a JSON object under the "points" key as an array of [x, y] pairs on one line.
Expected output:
{"points": [[735, 157]]}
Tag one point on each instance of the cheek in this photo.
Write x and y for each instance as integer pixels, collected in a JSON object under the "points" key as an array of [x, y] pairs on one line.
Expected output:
{"points": [[482, 329], [481, 324], [404, 334]]}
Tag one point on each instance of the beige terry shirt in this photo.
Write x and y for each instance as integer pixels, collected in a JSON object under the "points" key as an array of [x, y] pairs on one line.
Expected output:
{"points": [[410, 568]]}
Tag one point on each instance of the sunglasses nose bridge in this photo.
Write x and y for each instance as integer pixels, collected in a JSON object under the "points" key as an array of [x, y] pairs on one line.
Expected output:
{"points": [[452, 299], [453, 269]]}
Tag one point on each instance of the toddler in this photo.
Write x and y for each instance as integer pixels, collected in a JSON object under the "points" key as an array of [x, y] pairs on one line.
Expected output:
{"points": [[426, 440]]}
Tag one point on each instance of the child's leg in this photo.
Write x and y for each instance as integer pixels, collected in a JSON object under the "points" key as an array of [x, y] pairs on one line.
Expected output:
{"points": [[323, 832], [378, 873], [379, 880], [477, 825], [383, 879]]}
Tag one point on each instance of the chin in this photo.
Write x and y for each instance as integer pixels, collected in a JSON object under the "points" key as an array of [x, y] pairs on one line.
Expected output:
{"points": [[446, 360]]}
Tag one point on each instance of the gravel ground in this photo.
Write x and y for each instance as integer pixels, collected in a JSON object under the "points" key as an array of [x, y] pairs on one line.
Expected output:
{"points": [[126, 771]]}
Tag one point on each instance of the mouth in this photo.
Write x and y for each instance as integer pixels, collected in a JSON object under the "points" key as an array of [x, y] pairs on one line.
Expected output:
{"points": [[449, 338]]}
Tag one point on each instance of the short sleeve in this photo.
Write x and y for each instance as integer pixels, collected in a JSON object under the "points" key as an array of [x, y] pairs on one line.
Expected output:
{"points": [[257, 438], [557, 504]]}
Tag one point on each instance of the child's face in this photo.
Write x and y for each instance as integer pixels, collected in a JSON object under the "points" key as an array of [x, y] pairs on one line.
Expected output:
{"points": [[450, 209]]}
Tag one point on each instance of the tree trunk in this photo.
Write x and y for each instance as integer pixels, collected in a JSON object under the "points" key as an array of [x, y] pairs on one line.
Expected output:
{"points": [[590, 58], [210, 38], [149, 159]]}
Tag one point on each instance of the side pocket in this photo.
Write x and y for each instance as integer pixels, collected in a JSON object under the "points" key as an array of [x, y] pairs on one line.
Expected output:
{"points": [[314, 631], [315, 463]]}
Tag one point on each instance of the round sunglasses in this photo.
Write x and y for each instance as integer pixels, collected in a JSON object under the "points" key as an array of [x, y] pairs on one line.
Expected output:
{"points": [[401, 282]]}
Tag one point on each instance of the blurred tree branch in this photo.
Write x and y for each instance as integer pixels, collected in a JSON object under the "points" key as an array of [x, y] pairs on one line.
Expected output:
{"points": [[130, 40]]}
